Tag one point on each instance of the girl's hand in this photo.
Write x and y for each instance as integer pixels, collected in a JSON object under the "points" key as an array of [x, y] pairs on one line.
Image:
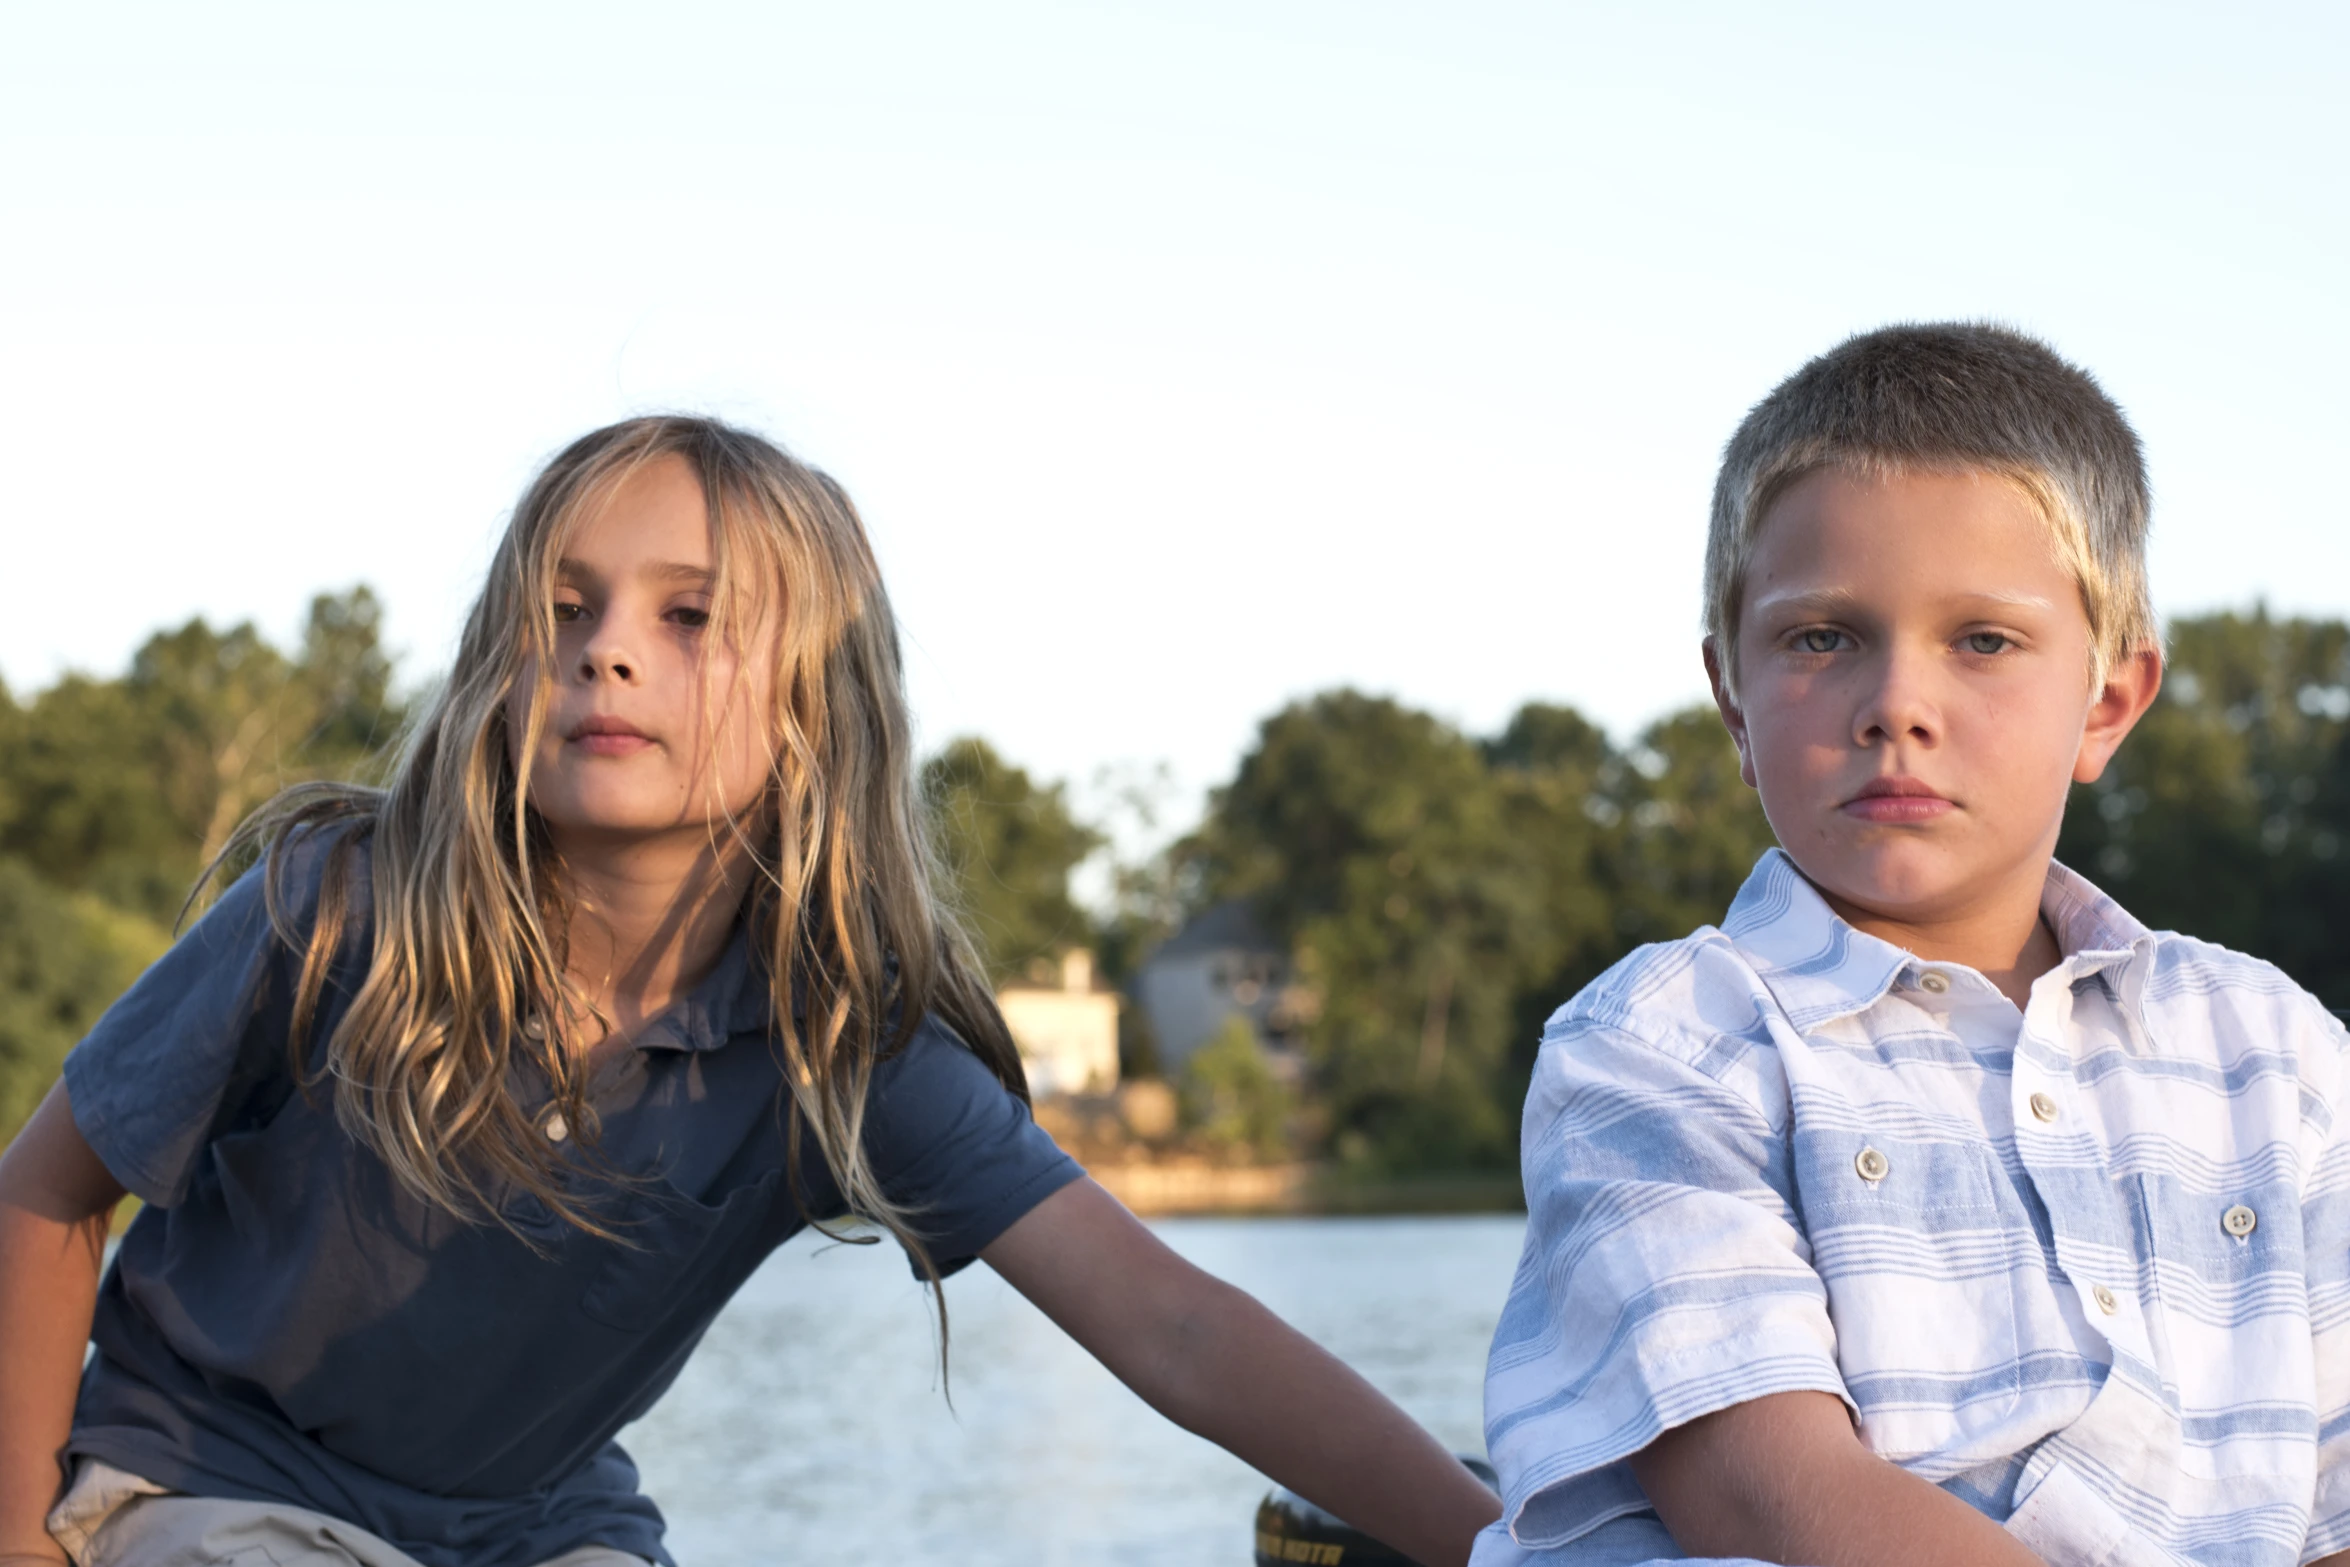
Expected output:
{"points": [[1215, 1362], [55, 1200]]}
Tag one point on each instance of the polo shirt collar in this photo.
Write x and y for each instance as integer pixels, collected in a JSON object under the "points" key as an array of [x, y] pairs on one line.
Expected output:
{"points": [[733, 998], [1820, 968]]}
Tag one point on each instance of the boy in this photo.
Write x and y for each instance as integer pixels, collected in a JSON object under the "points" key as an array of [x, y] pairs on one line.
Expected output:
{"points": [[1931, 1193]]}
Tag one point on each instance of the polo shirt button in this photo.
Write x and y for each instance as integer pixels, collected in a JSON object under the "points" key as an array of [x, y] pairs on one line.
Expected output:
{"points": [[1934, 982], [1872, 1165], [2044, 1107], [557, 1127], [2239, 1221], [2107, 1301]]}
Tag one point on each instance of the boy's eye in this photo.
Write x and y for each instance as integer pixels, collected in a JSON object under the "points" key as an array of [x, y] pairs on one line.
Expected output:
{"points": [[1819, 640], [1986, 642]]}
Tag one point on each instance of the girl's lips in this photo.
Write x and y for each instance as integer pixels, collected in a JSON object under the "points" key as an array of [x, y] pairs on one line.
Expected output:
{"points": [[607, 734], [597, 743]]}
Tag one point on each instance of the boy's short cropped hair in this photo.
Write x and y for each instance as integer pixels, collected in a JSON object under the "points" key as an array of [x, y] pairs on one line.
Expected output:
{"points": [[1942, 397]]}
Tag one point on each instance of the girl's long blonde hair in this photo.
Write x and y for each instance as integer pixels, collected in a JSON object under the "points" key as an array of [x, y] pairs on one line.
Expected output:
{"points": [[470, 907]]}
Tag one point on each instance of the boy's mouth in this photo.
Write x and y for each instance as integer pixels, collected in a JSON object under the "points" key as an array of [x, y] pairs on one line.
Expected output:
{"points": [[1896, 800]]}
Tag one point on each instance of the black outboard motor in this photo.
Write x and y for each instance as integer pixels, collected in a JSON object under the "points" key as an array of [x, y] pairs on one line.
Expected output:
{"points": [[1291, 1529]]}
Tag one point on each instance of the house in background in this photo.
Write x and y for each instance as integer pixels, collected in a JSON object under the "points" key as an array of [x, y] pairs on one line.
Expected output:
{"points": [[1067, 1033], [1220, 965]]}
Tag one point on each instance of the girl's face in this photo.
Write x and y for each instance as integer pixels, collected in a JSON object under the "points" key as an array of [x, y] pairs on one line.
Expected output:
{"points": [[654, 726]]}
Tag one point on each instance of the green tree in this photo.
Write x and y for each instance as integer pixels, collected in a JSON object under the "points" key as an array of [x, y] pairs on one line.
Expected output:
{"points": [[1690, 830], [1009, 845], [85, 802], [64, 957], [2310, 946], [2226, 814], [1558, 777], [12, 719], [114, 793], [1232, 1099], [1444, 895], [127, 787], [1378, 844]]}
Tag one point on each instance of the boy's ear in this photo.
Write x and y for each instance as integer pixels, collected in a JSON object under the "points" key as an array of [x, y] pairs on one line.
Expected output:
{"points": [[2129, 689], [1733, 716]]}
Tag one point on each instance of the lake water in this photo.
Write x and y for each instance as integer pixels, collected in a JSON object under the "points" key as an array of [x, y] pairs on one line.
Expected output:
{"points": [[810, 1426]]}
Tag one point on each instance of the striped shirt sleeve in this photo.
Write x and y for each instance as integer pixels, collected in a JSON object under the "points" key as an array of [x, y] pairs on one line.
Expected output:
{"points": [[1665, 1273], [2325, 1233]]}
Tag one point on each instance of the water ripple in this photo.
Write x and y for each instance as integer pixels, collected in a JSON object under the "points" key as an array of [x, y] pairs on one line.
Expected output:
{"points": [[810, 1426]]}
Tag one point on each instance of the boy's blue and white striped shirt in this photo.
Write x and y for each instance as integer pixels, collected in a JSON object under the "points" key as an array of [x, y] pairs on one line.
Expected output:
{"points": [[2091, 1273]]}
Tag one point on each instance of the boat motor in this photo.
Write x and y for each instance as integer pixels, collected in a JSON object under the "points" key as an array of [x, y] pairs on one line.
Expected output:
{"points": [[1291, 1529]]}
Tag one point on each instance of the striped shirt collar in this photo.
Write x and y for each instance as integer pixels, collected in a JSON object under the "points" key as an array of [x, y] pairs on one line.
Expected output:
{"points": [[1820, 968]]}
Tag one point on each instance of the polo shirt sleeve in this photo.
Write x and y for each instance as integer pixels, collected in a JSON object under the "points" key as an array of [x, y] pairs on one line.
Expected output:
{"points": [[1665, 1274], [956, 1147], [178, 1054], [2325, 1240]]}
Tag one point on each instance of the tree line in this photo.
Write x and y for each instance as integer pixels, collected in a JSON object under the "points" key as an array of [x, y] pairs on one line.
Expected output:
{"points": [[1438, 892], [115, 793]]}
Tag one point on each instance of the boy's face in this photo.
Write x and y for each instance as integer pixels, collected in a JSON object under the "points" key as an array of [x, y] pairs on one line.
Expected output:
{"points": [[1913, 699]]}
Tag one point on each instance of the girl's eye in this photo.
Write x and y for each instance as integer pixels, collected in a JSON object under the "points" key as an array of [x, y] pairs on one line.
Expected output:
{"points": [[565, 614], [690, 618], [1819, 639], [1986, 642]]}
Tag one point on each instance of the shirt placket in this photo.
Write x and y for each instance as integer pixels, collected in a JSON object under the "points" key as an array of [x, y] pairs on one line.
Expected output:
{"points": [[2129, 1427]]}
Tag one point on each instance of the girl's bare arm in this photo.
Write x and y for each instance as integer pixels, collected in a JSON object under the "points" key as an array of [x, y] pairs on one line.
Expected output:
{"points": [[1785, 1478], [55, 1199], [1212, 1360]]}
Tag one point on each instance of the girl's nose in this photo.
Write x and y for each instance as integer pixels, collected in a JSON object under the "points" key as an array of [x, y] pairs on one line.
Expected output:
{"points": [[606, 657]]}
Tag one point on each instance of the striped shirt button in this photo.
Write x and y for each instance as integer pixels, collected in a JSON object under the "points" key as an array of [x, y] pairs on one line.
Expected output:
{"points": [[2239, 1221], [2044, 1107], [1872, 1165], [2107, 1301]]}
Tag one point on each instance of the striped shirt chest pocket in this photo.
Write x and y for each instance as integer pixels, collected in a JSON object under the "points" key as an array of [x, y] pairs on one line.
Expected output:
{"points": [[2228, 1298], [1916, 1239]]}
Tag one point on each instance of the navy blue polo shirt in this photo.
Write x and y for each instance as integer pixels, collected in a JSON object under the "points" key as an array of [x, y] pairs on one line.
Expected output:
{"points": [[283, 1322]]}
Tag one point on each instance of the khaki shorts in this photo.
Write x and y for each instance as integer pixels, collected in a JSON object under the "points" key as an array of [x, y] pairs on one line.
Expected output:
{"points": [[112, 1519]]}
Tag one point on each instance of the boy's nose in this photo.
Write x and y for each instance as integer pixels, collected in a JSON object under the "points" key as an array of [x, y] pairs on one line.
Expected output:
{"points": [[1898, 706]]}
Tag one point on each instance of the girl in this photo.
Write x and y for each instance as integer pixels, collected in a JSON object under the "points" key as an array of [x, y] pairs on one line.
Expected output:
{"points": [[461, 1115]]}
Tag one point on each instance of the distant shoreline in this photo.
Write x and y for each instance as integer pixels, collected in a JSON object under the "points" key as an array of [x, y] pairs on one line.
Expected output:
{"points": [[1176, 1188]]}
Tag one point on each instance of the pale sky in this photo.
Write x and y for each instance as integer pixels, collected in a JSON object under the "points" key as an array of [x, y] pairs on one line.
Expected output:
{"points": [[1184, 358]]}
